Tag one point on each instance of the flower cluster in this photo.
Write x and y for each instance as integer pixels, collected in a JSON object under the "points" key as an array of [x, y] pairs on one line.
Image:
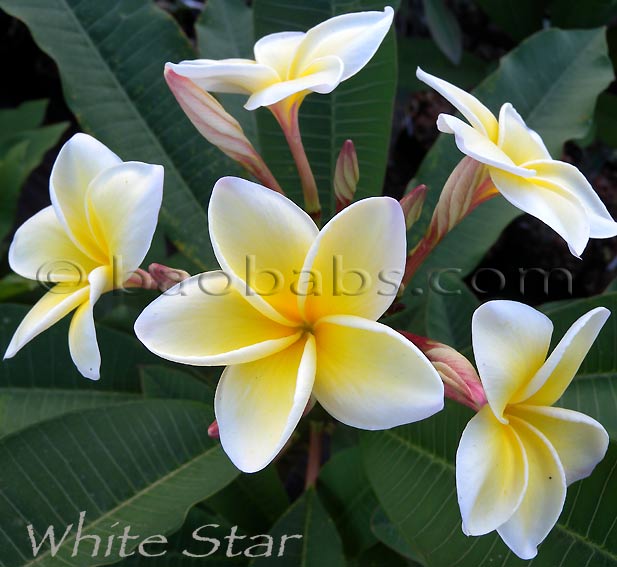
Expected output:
{"points": [[293, 311]]}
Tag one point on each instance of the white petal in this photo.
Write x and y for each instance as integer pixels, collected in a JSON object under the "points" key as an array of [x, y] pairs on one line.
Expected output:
{"points": [[262, 238], [259, 404], [227, 75], [52, 307], [204, 321], [491, 473], [354, 38], [552, 379], [80, 160], [371, 377], [277, 50], [323, 76], [580, 441], [565, 177], [544, 496], [360, 275], [510, 342], [123, 206], [83, 345], [480, 117], [478, 146], [559, 210], [41, 250], [520, 143]]}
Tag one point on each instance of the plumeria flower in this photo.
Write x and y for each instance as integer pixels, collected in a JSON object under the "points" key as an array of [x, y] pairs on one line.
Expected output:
{"points": [[289, 65], [522, 169], [518, 453], [93, 236], [293, 313]]}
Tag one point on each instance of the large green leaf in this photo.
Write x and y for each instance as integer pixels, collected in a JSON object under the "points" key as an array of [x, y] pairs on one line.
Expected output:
{"points": [[444, 29], [141, 465], [411, 469], [594, 389], [359, 109], [320, 544], [577, 14], [518, 18], [111, 56], [164, 382]]}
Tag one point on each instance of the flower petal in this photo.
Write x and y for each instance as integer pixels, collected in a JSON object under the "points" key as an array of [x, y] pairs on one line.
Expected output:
{"points": [[48, 310], [322, 76], [480, 117], [262, 238], [544, 496], [123, 208], [259, 404], [561, 211], [371, 377], [564, 177], [479, 147], [580, 441], [491, 473], [83, 346], [80, 160], [552, 379], [277, 50], [354, 38], [41, 250], [360, 275], [510, 342], [204, 321], [520, 143], [226, 75]]}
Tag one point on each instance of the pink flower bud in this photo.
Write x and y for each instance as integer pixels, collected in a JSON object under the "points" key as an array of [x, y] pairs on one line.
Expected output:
{"points": [[166, 277], [346, 175], [412, 204], [213, 430]]}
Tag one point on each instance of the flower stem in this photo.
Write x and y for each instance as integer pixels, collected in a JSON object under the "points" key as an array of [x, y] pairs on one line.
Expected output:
{"points": [[287, 116], [314, 454]]}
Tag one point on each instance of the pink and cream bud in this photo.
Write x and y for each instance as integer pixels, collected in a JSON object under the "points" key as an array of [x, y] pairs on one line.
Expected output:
{"points": [[412, 204], [346, 175]]}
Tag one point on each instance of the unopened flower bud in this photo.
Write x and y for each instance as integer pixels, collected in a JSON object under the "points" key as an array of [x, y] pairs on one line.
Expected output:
{"points": [[412, 204], [213, 430], [460, 379], [346, 175], [166, 277]]}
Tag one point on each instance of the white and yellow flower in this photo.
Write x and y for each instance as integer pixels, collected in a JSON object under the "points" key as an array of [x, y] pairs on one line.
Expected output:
{"points": [[522, 169], [93, 236], [518, 454], [289, 65], [293, 313]]}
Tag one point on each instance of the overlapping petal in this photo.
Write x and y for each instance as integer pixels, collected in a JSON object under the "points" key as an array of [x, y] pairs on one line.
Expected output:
{"points": [[259, 404], [262, 238], [480, 117], [510, 343], [580, 441], [360, 275], [544, 496], [42, 250], [277, 51], [124, 201], [80, 160], [205, 321], [520, 143], [491, 473], [371, 377]]}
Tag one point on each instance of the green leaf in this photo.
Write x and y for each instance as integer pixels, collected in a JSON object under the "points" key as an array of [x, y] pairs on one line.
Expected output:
{"points": [[45, 362], [26, 116], [606, 119], [111, 57], [171, 383], [349, 498], [416, 52], [576, 14], [387, 533], [411, 469], [359, 109], [556, 96], [225, 30], [12, 177], [13, 285], [518, 18], [380, 556], [320, 544], [252, 501], [141, 465], [444, 29], [594, 389]]}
